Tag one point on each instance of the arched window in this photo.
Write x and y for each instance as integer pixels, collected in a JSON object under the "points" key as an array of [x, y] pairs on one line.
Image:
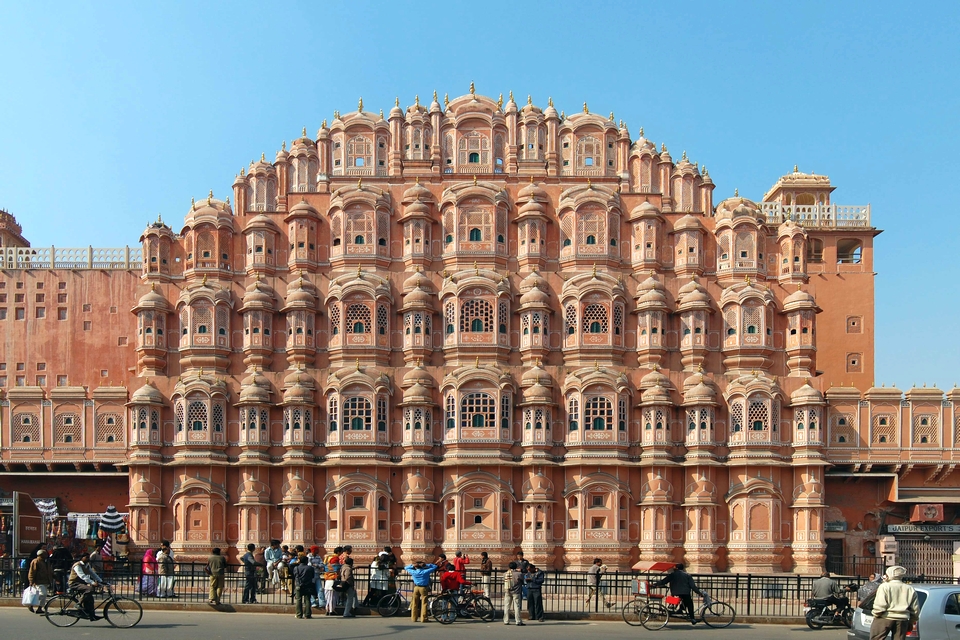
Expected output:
{"points": [[475, 235], [358, 318], [477, 410], [474, 157], [357, 414], [197, 416], [358, 240], [589, 151], [598, 413], [476, 315], [591, 239], [595, 319]]}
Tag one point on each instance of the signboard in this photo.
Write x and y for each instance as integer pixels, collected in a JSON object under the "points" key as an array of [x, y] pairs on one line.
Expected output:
{"points": [[28, 524], [923, 528]]}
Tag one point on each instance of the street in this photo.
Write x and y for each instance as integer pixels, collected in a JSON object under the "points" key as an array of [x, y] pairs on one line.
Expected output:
{"points": [[17, 623]]}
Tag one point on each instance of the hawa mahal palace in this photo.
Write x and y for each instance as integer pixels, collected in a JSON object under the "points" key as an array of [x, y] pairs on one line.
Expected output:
{"points": [[478, 325]]}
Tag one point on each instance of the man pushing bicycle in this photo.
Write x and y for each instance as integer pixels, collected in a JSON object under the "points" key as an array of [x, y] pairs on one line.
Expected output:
{"points": [[682, 585]]}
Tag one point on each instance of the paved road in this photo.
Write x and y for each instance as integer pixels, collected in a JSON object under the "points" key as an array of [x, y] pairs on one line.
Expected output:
{"points": [[162, 625]]}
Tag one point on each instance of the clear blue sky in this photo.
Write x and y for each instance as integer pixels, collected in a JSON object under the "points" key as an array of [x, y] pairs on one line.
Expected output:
{"points": [[115, 112]]}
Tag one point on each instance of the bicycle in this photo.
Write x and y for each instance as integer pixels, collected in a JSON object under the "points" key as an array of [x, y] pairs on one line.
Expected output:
{"points": [[713, 613], [65, 609], [450, 605], [393, 603]]}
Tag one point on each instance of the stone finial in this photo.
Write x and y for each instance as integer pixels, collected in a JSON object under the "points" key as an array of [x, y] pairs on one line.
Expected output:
{"points": [[435, 95], [736, 193], [796, 169], [193, 203], [446, 99], [594, 269], [611, 117], [396, 101], [283, 145], [500, 102], [589, 183], [227, 201], [585, 108], [529, 99], [474, 179], [263, 157], [596, 365], [204, 281], [538, 363], [304, 132], [747, 280], [381, 114], [641, 132], [473, 89], [360, 183], [550, 102], [620, 124], [323, 125], [476, 268], [477, 363], [684, 156], [416, 100], [243, 171], [359, 272], [360, 105], [358, 364]]}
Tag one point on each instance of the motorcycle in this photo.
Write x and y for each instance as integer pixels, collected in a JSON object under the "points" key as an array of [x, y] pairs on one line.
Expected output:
{"points": [[824, 613]]}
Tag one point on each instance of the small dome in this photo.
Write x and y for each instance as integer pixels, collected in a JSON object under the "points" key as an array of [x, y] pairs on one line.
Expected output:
{"points": [[303, 208], [799, 299], [417, 298], [535, 297], [153, 300], [532, 191], [692, 295], [417, 394], [654, 379], [511, 106], [806, 395], [260, 221], [298, 394], [417, 192], [296, 489], [435, 104], [254, 394], [418, 279], [550, 111], [417, 375], [688, 222], [297, 377], [700, 393], [216, 211], [147, 394], [656, 395], [644, 210], [531, 280], [396, 111], [737, 207], [262, 167], [537, 394], [300, 293], [536, 375], [256, 296]]}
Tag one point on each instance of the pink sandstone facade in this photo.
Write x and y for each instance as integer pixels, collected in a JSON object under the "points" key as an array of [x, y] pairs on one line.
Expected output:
{"points": [[476, 326]]}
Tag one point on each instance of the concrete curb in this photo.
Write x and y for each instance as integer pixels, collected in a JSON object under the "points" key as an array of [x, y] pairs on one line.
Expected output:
{"points": [[283, 609]]}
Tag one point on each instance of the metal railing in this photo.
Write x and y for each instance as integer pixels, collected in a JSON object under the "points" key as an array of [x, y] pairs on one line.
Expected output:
{"points": [[564, 593]]}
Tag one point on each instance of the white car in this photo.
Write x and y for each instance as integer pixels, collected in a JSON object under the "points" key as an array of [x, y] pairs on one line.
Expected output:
{"points": [[939, 615]]}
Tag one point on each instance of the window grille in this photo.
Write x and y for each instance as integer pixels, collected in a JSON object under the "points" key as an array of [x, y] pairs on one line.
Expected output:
{"points": [[382, 415], [357, 414], [926, 429], [736, 416], [382, 320], [358, 318], [110, 428], [503, 318], [26, 428], [476, 315], [570, 319], [595, 319], [589, 153], [476, 144], [505, 415], [451, 412], [598, 414], [359, 227], [332, 413], [197, 416], [334, 318], [218, 417], [477, 410], [66, 428], [178, 416], [359, 152], [573, 414]]}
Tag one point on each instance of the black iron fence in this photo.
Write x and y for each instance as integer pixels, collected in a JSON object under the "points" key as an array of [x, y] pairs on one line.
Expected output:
{"points": [[564, 592]]}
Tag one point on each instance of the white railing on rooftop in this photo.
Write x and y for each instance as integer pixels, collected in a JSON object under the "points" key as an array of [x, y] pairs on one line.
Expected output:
{"points": [[72, 258], [839, 216]]}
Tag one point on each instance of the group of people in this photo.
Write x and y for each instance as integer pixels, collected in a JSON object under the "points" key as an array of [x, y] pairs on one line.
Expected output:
{"points": [[893, 603], [521, 579], [313, 579], [82, 577], [157, 569]]}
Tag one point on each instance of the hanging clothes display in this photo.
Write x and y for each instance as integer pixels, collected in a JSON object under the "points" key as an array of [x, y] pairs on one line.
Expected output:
{"points": [[111, 521]]}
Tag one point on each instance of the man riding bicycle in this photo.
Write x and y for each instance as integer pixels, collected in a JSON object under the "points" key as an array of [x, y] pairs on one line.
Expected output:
{"points": [[682, 585], [83, 579]]}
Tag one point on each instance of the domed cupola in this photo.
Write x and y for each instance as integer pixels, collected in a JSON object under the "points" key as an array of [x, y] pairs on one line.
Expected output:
{"points": [[152, 310], [258, 310], [535, 310], [648, 246], [537, 407], [418, 315], [299, 415], [418, 407], [652, 312], [208, 238], [158, 245], [695, 308], [418, 205], [532, 221], [254, 406], [300, 311]]}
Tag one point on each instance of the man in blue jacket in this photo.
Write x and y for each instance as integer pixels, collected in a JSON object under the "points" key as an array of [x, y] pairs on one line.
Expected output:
{"points": [[420, 571]]}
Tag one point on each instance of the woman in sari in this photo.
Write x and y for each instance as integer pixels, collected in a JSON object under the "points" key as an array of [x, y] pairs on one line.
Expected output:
{"points": [[148, 583]]}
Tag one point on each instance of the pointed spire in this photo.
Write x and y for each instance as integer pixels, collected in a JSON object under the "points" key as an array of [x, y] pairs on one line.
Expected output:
{"points": [[500, 102], [304, 132], [435, 95], [396, 101], [358, 364], [474, 179], [360, 183], [446, 99], [611, 117], [641, 132], [263, 157], [550, 101], [585, 108], [529, 99], [477, 363], [283, 145], [381, 114], [736, 193], [417, 100], [360, 105], [473, 89]]}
